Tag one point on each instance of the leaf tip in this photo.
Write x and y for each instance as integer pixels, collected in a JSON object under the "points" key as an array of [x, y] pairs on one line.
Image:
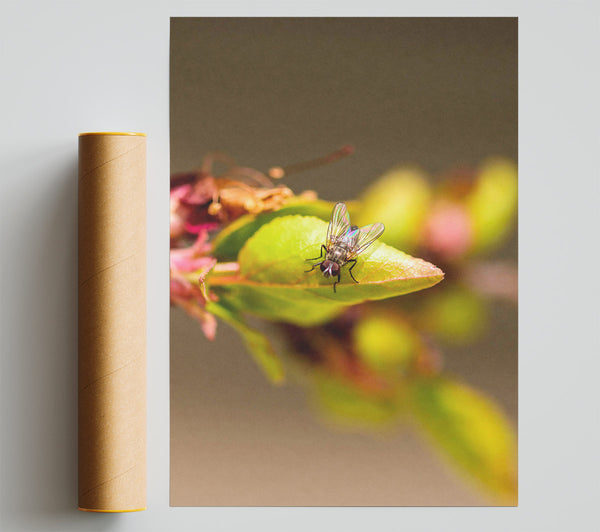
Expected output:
{"points": [[431, 271]]}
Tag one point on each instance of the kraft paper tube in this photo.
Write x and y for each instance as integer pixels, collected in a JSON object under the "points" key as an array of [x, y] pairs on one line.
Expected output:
{"points": [[112, 322]]}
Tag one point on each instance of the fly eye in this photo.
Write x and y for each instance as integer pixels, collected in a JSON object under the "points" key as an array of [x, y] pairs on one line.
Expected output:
{"points": [[325, 265], [335, 268]]}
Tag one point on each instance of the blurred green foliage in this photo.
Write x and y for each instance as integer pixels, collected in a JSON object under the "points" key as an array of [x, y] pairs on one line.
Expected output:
{"points": [[387, 344], [492, 204], [456, 315], [347, 406], [470, 430], [400, 199], [256, 342]]}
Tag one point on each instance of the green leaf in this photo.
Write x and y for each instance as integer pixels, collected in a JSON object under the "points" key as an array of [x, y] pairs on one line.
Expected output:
{"points": [[469, 430], [492, 205], [230, 240], [259, 346], [350, 408], [385, 343], [456, 315], [273, 282], [400, 199]]}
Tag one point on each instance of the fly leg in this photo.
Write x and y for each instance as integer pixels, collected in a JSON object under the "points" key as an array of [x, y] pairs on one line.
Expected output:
{"points": [[323, 248], [353, 261], [339, 277], [313, 266]]}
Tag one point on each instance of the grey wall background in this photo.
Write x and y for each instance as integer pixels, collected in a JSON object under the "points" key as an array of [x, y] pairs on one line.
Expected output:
{"points": [[436, 92], [51, 90]]}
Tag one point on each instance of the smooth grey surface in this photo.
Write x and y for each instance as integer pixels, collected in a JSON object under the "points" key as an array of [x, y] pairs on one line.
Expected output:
{"points": [[70, 67]]}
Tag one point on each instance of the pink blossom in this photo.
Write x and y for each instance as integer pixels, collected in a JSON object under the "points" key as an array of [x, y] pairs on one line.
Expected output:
{"points": [[193, 257], [192, 299], [448, 230], [177, 212]]}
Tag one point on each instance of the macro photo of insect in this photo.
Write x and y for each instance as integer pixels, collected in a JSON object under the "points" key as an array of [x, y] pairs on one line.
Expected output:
{"points": [[343, 262], [345, 242]]}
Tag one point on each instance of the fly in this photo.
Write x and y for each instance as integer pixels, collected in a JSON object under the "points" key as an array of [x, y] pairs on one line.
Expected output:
{"points": [[344, 243]]}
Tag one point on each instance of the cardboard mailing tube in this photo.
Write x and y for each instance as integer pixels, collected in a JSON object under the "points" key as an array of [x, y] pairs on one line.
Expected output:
{"points": [[112, 322]]}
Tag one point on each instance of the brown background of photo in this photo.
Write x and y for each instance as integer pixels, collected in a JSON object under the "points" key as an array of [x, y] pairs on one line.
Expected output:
{"points": [[435, 92]]}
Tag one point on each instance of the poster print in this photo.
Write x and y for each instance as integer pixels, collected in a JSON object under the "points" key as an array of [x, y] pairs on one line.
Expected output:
{"points": [[343, 261]]}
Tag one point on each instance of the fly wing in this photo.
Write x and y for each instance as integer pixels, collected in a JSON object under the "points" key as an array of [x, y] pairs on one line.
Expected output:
{"points": [[365, 237], [338, 224]]}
